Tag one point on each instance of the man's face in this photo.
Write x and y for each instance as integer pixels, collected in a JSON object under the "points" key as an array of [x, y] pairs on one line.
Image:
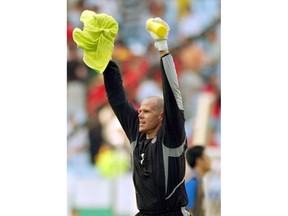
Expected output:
{"points": [[149, 116], [206, 162]]}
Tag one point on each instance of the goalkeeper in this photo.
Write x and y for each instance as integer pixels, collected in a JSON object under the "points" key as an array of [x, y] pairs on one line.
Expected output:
{"points": [[156, 133]]}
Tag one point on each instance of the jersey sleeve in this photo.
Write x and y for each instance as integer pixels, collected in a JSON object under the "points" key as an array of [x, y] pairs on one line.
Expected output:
{"points": [[191, 190], [173, 121], [123, 109]]}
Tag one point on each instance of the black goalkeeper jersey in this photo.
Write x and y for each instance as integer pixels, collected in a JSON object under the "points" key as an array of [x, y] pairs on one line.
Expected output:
{"points": [[158, 164]]}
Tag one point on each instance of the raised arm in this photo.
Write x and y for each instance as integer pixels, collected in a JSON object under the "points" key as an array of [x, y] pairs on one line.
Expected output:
{"points": [[173, 121], [125, 112], [97, 41]]}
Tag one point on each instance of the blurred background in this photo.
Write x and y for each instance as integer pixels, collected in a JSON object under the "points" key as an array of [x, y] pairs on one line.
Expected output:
{"points": [[99, 179]]}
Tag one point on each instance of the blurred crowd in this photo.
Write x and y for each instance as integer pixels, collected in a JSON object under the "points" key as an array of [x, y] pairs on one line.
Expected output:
{"points": [[96, 142]]}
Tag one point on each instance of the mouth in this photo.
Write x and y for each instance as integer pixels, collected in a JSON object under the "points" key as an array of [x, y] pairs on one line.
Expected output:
{"points": [[141, 124]]}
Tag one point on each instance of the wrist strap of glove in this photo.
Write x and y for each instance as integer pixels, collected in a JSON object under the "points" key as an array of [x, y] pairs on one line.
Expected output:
{"points": [[161, 45]]}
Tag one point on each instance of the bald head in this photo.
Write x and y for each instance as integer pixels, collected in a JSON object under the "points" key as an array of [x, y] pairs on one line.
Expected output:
{"points": [[155, 102]]}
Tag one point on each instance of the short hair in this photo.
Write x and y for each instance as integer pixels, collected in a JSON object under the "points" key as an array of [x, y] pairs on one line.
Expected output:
{"points": [[159, 102], [193, 153]]}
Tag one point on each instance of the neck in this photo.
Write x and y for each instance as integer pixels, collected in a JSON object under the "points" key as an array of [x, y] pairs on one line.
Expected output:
{"points": [[200, 171], [151, 134]]}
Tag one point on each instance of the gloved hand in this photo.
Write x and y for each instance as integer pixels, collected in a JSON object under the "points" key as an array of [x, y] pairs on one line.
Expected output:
{"points": [[159, 30], [96, 39]]}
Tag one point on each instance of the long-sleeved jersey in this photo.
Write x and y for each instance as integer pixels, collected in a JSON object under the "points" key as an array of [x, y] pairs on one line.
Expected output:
{"points": [[158, 164]]}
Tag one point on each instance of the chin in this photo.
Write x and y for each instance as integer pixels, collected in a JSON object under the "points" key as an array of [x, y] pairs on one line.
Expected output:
{"points": [[142, 130]]}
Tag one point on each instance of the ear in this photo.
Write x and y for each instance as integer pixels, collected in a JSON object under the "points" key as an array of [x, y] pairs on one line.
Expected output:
{"points": [[198, 161]]}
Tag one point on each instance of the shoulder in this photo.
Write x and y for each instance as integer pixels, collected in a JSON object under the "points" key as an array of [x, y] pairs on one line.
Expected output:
{"points": [[191, 183]]}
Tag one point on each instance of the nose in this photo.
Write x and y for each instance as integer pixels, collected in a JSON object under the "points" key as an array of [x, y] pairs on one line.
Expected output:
{"points": [[139, 114]]}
